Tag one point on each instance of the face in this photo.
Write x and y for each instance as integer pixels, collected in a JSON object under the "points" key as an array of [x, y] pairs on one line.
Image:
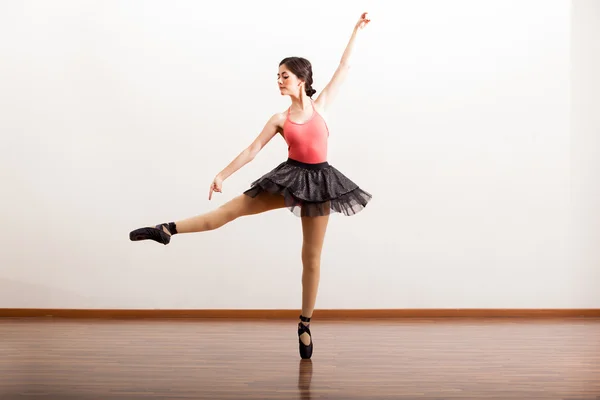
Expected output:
{"points": [[289, 83]]}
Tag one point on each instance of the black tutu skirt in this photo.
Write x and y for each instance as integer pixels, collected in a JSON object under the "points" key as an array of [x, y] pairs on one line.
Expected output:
{"points": [[312, 190]]}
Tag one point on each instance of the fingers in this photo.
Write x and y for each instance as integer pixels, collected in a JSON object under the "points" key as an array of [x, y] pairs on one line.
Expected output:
{"points": [[213, 188], [363, 20]]}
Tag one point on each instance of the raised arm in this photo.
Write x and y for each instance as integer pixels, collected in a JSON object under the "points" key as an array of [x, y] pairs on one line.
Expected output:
{"points": [[330, 91], [270, 129]]}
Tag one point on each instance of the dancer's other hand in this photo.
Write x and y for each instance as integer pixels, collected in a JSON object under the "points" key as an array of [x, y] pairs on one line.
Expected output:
{"points": [[215, 186], [362, 22]]}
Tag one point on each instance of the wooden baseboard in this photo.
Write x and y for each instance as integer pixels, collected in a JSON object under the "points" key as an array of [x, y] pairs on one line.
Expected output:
{"points": [[293, 314]]}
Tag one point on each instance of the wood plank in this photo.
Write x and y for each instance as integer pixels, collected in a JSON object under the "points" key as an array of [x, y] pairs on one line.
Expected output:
{"points": [[287, 314], [447, 358]]}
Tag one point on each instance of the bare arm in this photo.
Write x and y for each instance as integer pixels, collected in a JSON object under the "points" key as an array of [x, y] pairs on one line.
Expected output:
{"points": [[330, 91], [270, 129]]}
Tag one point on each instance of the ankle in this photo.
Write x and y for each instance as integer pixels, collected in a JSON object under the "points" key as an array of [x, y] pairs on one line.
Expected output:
{"points": [[305, 320]]}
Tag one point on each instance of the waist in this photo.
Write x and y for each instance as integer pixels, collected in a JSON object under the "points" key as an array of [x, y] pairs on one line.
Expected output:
{"points": [[301, 164]]}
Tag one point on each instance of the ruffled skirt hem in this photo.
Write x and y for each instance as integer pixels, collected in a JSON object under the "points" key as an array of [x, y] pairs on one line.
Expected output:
{"points": [[311, 190]]}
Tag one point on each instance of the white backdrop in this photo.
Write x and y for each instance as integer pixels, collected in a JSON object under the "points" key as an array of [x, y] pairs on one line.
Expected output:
{"points": [[455, 116], [585, 150]]}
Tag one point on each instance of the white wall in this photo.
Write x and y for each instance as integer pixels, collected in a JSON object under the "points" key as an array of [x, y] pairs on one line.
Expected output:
{"points": [[585, 150], [455, 117]]}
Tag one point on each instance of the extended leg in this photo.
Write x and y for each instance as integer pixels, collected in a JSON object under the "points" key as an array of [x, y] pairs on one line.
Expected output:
{"points": [[239, 206]]}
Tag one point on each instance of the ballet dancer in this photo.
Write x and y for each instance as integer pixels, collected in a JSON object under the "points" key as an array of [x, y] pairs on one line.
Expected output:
{"points": [[305, 183]]}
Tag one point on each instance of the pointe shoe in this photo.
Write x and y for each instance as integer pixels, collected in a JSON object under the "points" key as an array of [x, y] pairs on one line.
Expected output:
{"points": [[157, 233], [305, 351]]}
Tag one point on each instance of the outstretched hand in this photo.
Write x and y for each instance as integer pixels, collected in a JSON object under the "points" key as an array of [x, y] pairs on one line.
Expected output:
{"points": [[362, 22], [215, 186]]}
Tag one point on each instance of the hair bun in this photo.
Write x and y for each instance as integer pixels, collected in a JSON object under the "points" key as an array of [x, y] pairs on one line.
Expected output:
{"points": [[310, 91]]}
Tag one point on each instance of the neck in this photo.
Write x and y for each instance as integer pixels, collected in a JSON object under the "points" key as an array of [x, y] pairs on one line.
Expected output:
{"points": [[302, 102]]}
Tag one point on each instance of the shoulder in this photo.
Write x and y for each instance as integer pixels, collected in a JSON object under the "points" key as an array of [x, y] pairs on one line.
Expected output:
{"points": [[320, 109], [278, 120], [319, 106]]}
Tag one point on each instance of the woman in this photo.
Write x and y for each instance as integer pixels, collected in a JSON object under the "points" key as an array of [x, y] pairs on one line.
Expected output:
{"points": [[305, 183]]}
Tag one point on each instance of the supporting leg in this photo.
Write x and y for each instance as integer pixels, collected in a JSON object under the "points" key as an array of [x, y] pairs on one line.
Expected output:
{"points": [[313, 229]]}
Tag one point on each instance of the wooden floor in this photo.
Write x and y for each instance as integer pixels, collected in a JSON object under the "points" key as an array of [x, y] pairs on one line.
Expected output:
{"points": [[372, 359]]}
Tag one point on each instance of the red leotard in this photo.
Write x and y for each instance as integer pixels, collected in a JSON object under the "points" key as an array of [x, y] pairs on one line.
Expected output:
{"points": [[307, 142]]}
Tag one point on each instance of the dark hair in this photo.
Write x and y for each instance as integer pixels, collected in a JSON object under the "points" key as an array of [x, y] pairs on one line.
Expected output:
{"points": [[302, 68]]}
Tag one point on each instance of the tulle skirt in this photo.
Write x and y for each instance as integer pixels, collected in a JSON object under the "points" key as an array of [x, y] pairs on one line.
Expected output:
{"points": [[312, 190]]}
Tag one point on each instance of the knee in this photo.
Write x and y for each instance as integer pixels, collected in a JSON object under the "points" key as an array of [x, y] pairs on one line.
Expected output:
{"points": [[228, 214], [311, 260], [223, 215]]}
